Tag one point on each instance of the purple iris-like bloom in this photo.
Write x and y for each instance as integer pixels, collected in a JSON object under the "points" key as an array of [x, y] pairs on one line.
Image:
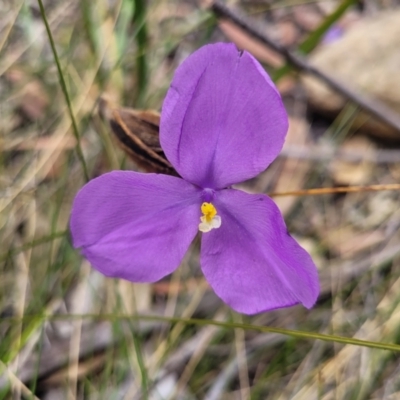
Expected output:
{"points": [[222, 122]]}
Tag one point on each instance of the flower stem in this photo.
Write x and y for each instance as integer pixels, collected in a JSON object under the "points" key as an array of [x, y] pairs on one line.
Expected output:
{"points": [[65, 91]]}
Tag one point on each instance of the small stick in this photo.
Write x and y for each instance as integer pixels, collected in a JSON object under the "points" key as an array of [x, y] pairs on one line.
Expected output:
{"points": [[342, 189], [375, 107]]}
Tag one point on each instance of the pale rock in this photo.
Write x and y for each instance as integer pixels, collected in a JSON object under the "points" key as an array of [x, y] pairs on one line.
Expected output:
{"points": [[366, 57]]}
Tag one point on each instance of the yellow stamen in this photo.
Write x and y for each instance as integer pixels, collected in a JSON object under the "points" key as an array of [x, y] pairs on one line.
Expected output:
{"points": [[210, 220], [209, 211]]}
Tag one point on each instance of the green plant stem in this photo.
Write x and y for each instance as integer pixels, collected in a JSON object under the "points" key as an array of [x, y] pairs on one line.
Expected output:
{"points": [[315, 37], [33, 243], [227, 325], [65, 91], [142, 367], [139, 19]]}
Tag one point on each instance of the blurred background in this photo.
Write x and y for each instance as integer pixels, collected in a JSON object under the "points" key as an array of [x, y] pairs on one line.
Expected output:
{"points": [[67, 332]]}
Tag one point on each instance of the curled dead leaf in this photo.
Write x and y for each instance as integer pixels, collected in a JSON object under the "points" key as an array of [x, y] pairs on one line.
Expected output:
{"points": [[137, 133]]}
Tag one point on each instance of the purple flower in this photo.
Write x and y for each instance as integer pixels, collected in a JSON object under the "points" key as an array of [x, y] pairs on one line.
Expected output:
{"points": [[222, 122], [333, 34]]}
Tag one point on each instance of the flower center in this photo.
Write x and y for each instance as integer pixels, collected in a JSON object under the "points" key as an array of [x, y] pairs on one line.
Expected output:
{"points": [[210, 219], [209, 211]]}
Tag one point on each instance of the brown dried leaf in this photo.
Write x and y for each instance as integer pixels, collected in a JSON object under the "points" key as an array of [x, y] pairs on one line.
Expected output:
{"points": [[137, 133]]}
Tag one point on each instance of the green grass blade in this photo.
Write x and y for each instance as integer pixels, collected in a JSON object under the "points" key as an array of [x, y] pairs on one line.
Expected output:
{"points": [[316, 36], [142, 366], [65, 91], [298, 334], [139, 20], [269, 329], [34, 243]]}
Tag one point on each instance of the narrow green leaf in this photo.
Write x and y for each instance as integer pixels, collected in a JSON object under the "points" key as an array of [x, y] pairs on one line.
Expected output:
{"points": [[139, 20], [316, 36], [33, 243], [227, 325], [65, 91]]}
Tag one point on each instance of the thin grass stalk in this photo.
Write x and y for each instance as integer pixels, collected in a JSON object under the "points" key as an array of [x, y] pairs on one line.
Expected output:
{"points": [[316, 36], [340, 189], [65, 92], [139, 20], [228, 325]]}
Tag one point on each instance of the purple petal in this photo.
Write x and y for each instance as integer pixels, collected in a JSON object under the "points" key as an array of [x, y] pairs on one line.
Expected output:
{"points": [[135, 226], [222, 120], [251, 261]]}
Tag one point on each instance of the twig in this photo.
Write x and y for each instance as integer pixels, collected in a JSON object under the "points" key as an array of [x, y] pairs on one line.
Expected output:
{"points": [[343, 189], [374, 106]]}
